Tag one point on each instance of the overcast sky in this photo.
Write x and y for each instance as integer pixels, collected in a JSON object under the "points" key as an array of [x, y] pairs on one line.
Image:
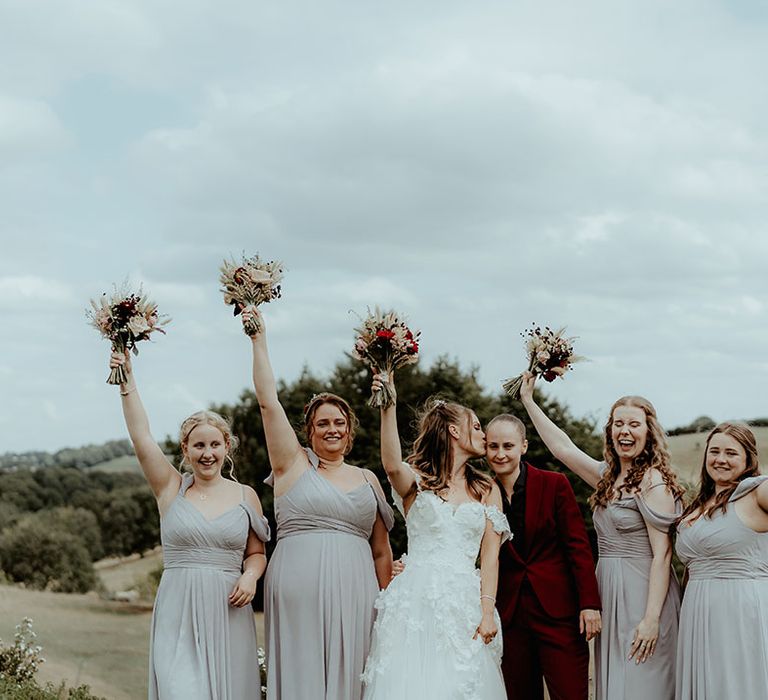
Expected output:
{"points": [[479, 166]]}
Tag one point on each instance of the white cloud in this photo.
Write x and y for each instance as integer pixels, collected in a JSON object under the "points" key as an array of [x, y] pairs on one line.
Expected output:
{"points": [[477, 167], [21, 290], [29, 127]]}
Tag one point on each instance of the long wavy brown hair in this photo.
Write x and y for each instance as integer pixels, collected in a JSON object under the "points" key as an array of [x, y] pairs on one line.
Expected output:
{"points": [[746, 438], [432, 451], [655, 455]]}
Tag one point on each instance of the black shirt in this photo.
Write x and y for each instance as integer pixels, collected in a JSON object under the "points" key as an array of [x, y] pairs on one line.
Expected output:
{"points": [[514, 509]]}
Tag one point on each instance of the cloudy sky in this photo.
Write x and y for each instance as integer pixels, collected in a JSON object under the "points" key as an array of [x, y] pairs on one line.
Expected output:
{"points": [[478, 166]]}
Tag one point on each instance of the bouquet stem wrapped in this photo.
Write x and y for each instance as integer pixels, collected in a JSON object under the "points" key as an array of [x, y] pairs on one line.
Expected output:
{"points": [[384, 343], [550, 355], [250, 282], [125, 318]]}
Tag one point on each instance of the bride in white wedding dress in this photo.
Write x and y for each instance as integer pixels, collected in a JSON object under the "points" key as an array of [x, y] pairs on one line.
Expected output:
{"points": [[437, 633]]}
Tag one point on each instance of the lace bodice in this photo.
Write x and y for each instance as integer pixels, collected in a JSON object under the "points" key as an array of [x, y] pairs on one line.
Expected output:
{"points": [[442, 533]]}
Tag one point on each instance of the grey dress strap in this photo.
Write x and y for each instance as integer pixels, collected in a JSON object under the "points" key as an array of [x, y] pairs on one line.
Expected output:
{"points": [[385, 510], [747, 486], [187, 479], [258, 523]]}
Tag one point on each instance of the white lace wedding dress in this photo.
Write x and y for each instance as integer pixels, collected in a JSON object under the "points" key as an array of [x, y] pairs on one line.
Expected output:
{"points": [[422, 646]]}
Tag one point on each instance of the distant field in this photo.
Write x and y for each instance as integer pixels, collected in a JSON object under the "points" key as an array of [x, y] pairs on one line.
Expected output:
{"points": [[126, 463], [688, 451]]}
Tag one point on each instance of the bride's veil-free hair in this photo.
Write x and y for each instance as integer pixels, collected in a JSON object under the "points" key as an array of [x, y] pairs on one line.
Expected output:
{"points": [[432, 451]]}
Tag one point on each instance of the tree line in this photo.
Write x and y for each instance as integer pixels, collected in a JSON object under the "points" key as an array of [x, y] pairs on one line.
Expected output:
{"points": [[86, 456], [56, 520]]}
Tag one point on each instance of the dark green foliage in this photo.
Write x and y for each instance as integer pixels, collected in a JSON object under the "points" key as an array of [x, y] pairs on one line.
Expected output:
{"points": [[32, 553], [77, 514], [78, 522]]}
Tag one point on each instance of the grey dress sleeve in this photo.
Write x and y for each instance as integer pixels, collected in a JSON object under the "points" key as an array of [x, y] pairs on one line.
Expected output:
{"points": [[747, 486], [659, 521]]}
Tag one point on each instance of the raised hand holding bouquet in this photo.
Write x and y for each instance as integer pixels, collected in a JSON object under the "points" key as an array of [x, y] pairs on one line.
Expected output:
{"points": [[250, 282], [125, 318], [384, 342], [550, 355]]}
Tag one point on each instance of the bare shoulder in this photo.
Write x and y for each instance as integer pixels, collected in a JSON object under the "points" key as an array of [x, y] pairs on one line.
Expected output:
{"points": [[252, 498], [761, 495], [651, 479], [493, 496], [371, 477], [656, 492]]}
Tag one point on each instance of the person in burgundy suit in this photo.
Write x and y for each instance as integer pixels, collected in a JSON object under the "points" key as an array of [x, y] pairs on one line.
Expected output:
{"points": [[547, 595]]}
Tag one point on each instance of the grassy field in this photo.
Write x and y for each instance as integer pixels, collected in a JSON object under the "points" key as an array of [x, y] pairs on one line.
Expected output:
{"points": [[89, 640], [126, 463]]}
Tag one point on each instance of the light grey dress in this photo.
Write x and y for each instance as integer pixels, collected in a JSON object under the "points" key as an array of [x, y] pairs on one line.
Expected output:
{"points": [[623, 569], [320, 589], [202, 648], [723, 646]]}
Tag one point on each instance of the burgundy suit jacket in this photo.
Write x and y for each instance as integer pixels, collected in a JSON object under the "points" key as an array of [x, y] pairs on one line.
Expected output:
{"points": [[557, 558]]}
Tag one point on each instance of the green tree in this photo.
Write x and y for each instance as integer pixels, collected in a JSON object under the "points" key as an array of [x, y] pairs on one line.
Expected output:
{"points": [[78, 522], [42, 558]]}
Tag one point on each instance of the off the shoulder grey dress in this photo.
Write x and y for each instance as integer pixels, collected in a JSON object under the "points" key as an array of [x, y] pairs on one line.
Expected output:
{"points": [[320, 589], [623, 570], [723, 645], [201, 647]]}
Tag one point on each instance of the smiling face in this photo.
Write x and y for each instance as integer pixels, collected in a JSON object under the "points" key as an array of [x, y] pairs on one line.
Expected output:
{"points": [[725, 460], [504, 447], [629, 432], [329, 432], [205, 450]]}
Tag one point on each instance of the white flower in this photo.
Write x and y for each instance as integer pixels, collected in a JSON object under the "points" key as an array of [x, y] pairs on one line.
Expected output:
{"points": [[138, 325]]}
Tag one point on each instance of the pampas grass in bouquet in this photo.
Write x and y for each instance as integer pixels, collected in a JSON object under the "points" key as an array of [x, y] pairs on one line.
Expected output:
{"points": [[250, 282], [125, 318]]}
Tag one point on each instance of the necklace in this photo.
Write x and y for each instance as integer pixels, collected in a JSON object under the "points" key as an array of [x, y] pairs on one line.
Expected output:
{"points": [[203, 496], [330, 466]]}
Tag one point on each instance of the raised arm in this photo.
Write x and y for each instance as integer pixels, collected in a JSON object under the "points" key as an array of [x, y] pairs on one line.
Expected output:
{"points": [[556, 440], [283, 447], [161, 476], [399, 474]]}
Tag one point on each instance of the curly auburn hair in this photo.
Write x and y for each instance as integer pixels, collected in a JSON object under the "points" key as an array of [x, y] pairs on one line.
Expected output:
{"points": [[746, 438], [655, 455], [432, 451], [326, 397]]}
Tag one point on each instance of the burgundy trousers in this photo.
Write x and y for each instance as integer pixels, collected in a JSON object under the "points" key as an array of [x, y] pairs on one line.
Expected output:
{"points": [[538, 647]]}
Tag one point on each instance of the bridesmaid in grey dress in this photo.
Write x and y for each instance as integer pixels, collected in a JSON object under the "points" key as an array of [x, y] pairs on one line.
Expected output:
{"points": [[333, 553], [723, 541], [203, 642], [636, 501]]}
